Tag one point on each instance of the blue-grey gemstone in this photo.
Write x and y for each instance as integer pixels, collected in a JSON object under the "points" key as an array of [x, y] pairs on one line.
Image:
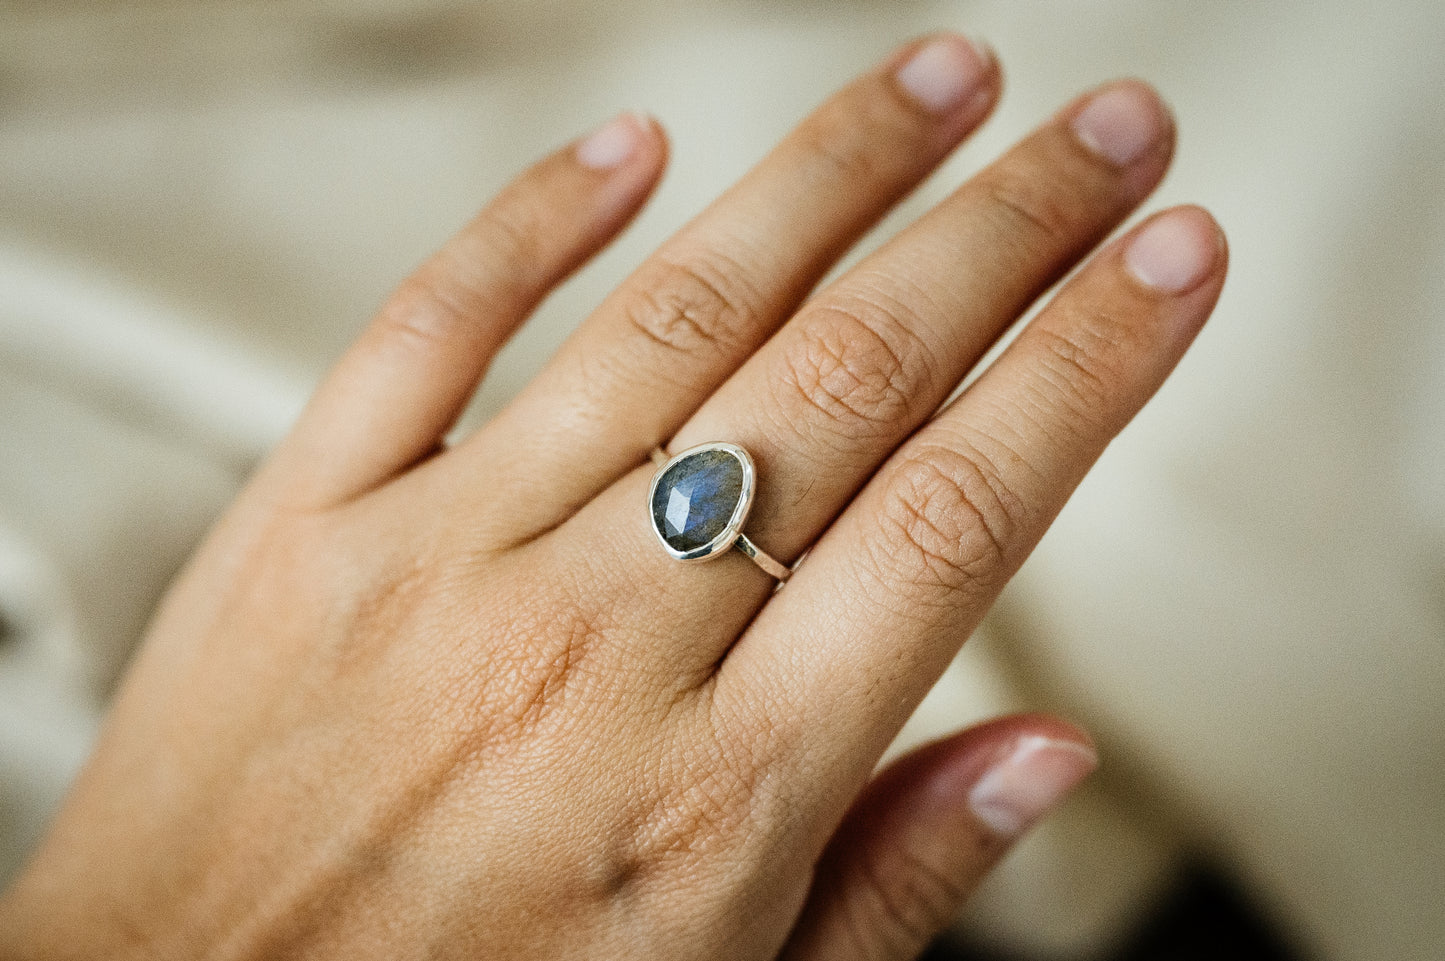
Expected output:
{"points": [[696, 497]]}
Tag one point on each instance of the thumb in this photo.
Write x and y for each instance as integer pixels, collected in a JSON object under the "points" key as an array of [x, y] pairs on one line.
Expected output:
{"points": [[926, 831]]}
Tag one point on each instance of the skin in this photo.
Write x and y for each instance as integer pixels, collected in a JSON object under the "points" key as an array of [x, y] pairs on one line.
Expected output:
{"points": [[417, 701]]}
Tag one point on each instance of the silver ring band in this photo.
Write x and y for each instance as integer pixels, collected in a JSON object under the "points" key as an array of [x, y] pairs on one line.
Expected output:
{"points": [[699, 501], [762, 558]]}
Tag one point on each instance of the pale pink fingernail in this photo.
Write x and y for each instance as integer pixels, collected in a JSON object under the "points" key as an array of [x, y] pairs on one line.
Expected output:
{"points": [[1175, 251], [1022, 786], [1122, 123], [945, 73], [611, 144]]}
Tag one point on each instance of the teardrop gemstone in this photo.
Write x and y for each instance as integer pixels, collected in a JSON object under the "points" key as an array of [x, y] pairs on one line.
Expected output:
{"points": [[695, 499]]}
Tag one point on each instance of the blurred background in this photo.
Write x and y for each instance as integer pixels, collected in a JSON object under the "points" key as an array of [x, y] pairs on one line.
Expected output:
{"points": [[202, 201]]}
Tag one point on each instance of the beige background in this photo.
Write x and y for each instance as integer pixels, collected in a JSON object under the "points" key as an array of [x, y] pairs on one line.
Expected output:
{"points": [[201, 202]]}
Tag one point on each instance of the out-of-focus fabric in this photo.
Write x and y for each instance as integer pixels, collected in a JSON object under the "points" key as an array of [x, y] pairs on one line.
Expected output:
{"points": [[200, 204]]}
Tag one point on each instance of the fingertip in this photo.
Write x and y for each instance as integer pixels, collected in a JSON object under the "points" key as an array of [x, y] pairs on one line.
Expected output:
{"points": [[658, 144], [1028, 782], [1123, 122], [1045, 725], [655, 145], [943, 72], [627, 140], [1126, 127], [951, 79], [944, 812], [1011, 772], [1176, 251], [621, 162]]}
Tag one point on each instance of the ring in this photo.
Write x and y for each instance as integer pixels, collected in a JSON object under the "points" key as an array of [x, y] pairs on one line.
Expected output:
{"points": [[699, 501]]}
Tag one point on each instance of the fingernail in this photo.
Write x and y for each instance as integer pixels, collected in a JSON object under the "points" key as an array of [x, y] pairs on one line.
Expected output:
{"points": [[1031, 779], [945, 73], [1174, 252], [611, 144], [1121, 123]]}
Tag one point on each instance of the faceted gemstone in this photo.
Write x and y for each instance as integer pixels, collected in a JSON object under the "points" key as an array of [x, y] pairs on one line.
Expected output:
{"points": [[695, 499]]}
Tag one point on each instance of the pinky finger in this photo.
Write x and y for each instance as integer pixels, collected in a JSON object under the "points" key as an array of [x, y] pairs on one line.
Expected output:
{"points": [[927, 830], [397, 391]]}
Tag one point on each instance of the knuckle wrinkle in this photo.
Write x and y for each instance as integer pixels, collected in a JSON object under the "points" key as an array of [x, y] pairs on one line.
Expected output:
{"points": [[952, 517], [858, 367], [690, 308], [1029, 210]]}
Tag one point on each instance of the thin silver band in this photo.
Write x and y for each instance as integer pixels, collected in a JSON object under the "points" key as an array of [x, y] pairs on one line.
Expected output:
{"points": [[759, 556]]}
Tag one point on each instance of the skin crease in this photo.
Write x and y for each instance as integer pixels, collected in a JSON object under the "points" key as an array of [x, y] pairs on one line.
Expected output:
{"points": [[409, 701]]}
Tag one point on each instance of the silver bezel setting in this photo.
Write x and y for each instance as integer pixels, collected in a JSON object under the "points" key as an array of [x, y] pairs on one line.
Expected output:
{"points": [[724, 541]]}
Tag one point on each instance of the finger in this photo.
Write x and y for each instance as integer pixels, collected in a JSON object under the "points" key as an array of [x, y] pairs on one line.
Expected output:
{"points": [[696, 309], [927, 830], [392, 397], [886, 597], [877, 352]]}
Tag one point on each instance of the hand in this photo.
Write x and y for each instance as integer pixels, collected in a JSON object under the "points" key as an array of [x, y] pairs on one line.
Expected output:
{"points": [[417, 701]]}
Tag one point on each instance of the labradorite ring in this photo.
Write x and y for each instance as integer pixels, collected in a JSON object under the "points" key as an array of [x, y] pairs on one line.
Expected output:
{"points": [[700, 500]]}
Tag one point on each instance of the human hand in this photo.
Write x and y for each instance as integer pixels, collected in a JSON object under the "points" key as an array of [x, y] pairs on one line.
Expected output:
{"points": [[411, 701]]}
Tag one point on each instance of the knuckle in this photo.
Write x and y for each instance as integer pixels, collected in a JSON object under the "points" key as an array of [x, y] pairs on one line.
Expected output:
{"points": [[858, 136], [901, 903], [445, 300], [512, 233], [928, 897], [1031, 210], [842, 145], [855, 368], [427, 312], [949, 519], [696, 307], [1086, 363]]}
